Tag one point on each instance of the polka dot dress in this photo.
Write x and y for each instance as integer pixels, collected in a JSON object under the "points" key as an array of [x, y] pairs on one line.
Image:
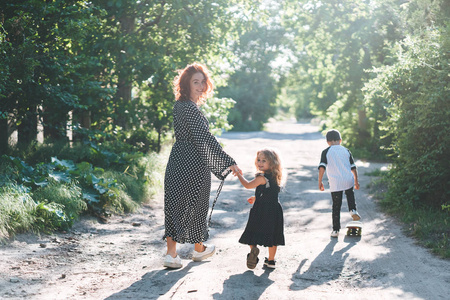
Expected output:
{"points": [[187, 183]]}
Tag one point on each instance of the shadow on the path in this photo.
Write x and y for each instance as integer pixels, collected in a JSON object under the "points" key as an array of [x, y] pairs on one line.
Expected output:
{"points": [[154, 284], [249, 285], [327, 266]]}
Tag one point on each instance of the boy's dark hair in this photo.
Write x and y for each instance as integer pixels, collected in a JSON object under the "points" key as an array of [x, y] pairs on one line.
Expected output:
{"points": [[333, 135]]}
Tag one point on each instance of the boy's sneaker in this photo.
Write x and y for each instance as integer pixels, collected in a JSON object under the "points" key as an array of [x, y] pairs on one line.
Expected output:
{"points": [[209, 251], [355, 215], [335, 233], [172, 262], [269, 263]]}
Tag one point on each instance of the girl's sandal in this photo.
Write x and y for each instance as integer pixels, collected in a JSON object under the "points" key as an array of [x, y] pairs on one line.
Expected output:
{"points": [[252, 258]]}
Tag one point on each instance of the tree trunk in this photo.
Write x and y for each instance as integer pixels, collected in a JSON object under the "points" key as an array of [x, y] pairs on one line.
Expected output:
{"points": [[362, 120], [363, 132], [4, 136], [159, 140], [27, 130], [55, 123], [84, 119], [124, 84], [123, 99]]}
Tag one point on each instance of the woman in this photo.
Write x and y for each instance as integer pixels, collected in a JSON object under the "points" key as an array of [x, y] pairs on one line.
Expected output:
{"points": [[195, 154]]}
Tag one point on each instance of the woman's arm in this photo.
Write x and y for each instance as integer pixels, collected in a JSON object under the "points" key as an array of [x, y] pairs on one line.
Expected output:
{"points": [[209, 149]]}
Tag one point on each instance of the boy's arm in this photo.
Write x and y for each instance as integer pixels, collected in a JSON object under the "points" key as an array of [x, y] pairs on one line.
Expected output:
{"points": [[321, 172], [251, 184], [322, 166], [355, 174]]}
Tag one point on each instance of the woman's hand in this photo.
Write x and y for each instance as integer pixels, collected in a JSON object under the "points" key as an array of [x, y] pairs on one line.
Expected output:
{"points": [[251, 200], [235, 169]]}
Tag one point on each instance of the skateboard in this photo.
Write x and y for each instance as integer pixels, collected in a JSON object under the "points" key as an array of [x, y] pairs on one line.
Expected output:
{"points": [[354, 228]]}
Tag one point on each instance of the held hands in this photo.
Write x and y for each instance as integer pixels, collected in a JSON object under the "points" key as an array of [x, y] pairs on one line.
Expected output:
{"points": [[235, 169], [251, 200]]}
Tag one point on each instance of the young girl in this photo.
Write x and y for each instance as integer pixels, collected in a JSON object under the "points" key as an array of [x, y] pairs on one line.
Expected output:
{"points": [[265, 222]]}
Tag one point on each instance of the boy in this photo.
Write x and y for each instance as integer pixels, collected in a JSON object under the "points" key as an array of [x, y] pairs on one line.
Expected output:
{"points": [[342, 176]]}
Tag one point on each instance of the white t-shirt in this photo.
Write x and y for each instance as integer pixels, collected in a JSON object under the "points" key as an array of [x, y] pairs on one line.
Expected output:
{"points": [[338, 161]]}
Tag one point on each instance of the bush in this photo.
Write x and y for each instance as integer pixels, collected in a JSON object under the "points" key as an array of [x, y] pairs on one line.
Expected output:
{"points": [[51, 195], [68, 196], [417, 97], [17, 210]]}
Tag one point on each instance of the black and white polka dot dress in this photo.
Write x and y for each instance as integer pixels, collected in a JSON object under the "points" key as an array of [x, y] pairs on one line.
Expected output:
{"points": [[187, 183]]}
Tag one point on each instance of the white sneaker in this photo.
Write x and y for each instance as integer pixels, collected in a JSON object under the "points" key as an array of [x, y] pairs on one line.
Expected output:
{"points": [[334, 233], [172, 262], [209, 251], [355, 215]]}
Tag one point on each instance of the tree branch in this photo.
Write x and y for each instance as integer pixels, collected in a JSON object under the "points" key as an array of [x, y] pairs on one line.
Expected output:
{"points": [[155, 20]]}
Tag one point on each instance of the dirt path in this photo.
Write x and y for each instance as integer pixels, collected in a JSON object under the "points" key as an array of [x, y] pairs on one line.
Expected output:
{"points": [[121, 260]]}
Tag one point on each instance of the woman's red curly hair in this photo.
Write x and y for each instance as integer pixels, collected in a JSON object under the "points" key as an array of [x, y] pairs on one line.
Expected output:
{"points": [[181, 83]]}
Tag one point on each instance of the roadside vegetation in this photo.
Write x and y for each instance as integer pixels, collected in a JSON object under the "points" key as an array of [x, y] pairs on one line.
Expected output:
{"points": [[52, 192], [429, 226]]}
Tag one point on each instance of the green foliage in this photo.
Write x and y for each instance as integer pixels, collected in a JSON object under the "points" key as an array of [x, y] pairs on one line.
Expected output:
{"points": [[147, 41], [378, 72], [429, 226], [50, 217], [44, 63], [333, 44], [108, 63], [143, 140], [51, 195], [67, 195], [253, 84], [215, 110], [17, 210], [417, 124]]}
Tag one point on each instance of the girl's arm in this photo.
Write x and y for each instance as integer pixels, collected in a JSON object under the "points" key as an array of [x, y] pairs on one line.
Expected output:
{"points": [[251, 184]]}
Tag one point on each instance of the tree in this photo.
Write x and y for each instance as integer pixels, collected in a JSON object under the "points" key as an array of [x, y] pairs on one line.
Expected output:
{"points": [[253, 82], [110, 62], [148, 40], [42, 79], [335, 42], [413, 95]]}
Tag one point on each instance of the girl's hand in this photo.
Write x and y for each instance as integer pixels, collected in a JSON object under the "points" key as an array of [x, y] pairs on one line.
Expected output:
{"points": [[251, 200], [235, 169]]}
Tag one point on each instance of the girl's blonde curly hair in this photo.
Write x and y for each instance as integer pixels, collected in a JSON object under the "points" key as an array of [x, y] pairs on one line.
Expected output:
{"points": [[275, 164], [181, 83]]}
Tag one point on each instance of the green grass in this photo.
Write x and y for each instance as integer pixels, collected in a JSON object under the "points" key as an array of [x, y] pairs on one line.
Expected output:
{"points": [[17, 210], [430, 226], [68, 195], [32, 201]]}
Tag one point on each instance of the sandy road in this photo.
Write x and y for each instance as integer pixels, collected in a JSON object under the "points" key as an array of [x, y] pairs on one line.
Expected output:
{"points": [[121, 261]]}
